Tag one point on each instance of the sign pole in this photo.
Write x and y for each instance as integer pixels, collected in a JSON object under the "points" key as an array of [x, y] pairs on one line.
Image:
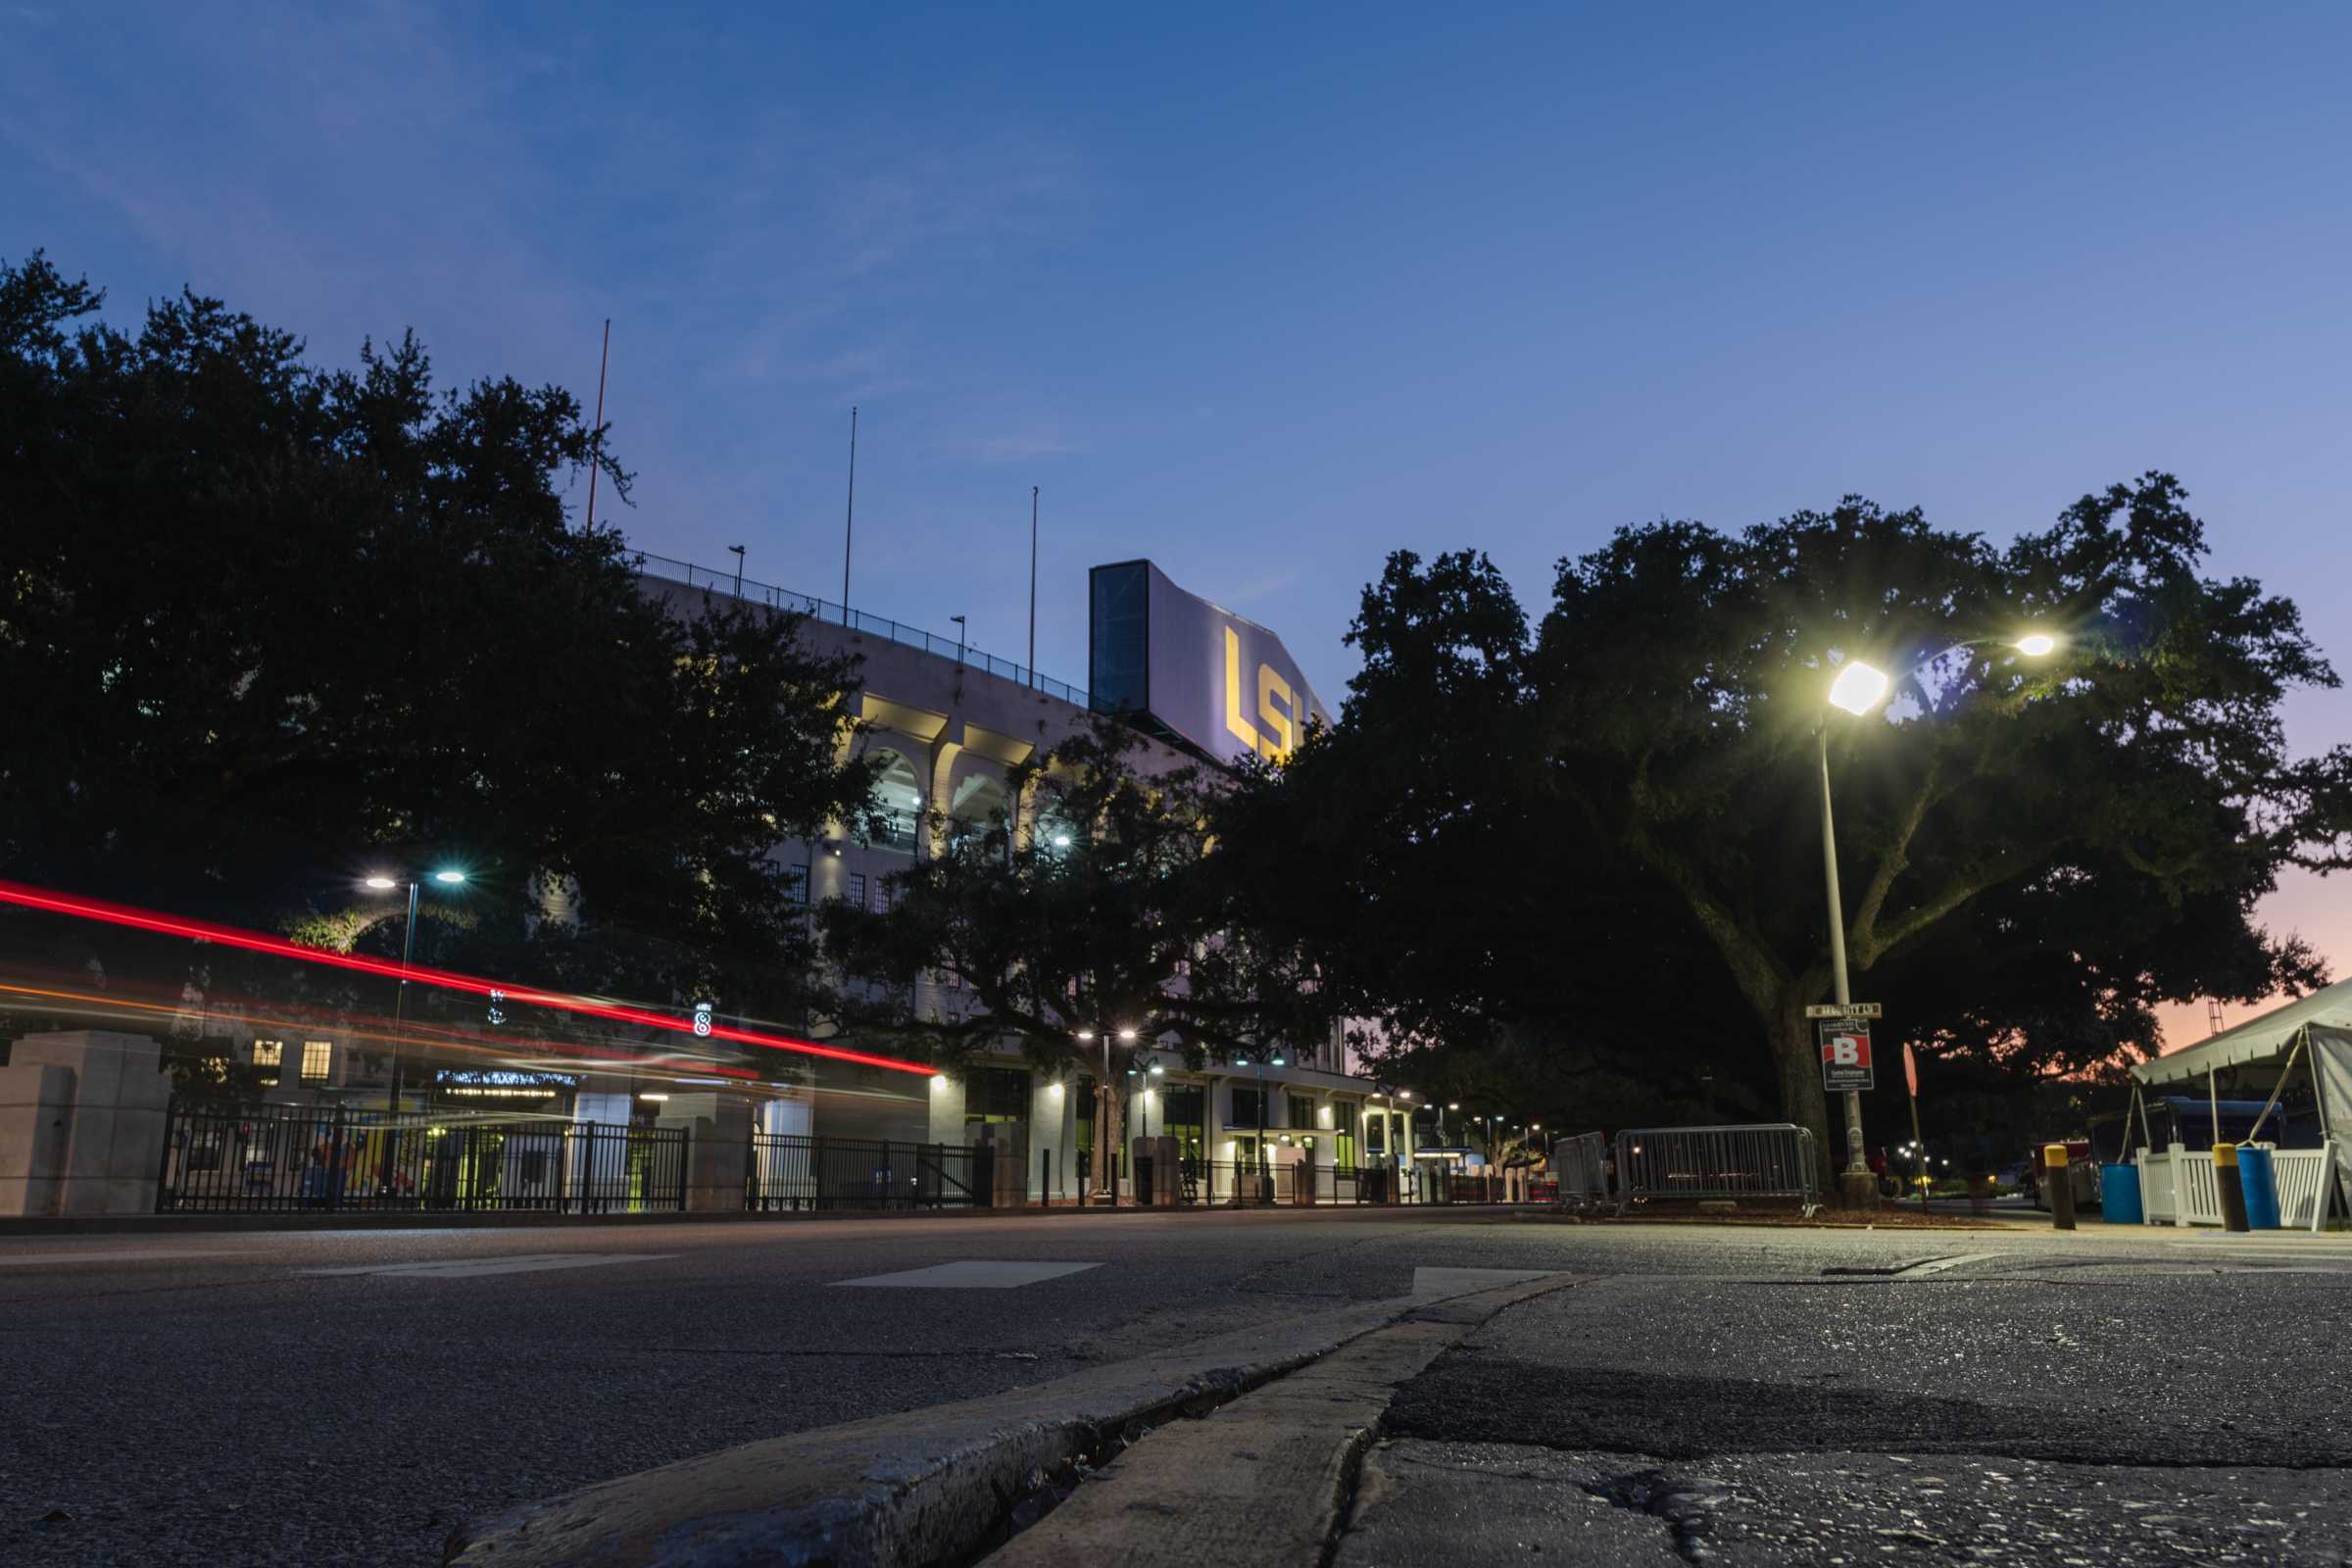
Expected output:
{"points": [[1911, 1079], [1860, 1191]]}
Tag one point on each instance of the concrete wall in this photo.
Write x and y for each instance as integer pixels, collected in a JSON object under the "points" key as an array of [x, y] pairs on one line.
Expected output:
{"points": [[81, 1123]]}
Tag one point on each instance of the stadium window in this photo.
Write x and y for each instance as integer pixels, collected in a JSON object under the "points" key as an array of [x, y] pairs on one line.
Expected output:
{"points": [[269, 1055], [318, 1057], [796, 883], [857, 894], [1302, 1111]]}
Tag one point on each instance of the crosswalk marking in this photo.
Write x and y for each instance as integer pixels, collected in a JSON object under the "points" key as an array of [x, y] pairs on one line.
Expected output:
{"points": [[155, 1254], [975, 1274], [1429, 1282]]}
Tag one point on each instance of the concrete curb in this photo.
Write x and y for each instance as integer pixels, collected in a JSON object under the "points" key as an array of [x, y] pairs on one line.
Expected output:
{"points": [[923, 1487], [1265, 1481]]}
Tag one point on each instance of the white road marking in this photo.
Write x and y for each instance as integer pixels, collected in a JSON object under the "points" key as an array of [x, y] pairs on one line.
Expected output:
{"points": [[453, 1268], [110, 1257], [975, 1274], [1429, 1282]]}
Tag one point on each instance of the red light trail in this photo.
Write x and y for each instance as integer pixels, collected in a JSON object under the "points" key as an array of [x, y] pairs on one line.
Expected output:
{"points": [[229, 936]]}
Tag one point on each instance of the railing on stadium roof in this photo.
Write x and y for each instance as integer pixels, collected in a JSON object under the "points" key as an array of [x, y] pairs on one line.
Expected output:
{"points": [[857, 620]]}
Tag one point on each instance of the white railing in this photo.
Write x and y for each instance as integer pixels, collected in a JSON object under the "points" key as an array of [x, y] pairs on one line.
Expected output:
{"points": [[2178, 1187], [2306, 1177]]}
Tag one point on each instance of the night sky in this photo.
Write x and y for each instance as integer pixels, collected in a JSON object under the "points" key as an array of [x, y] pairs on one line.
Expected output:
{"points": [[1265, 299]]}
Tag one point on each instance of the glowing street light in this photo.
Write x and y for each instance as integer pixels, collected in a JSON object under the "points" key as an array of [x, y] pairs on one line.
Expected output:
{"points": [[1858, 688], [385, 882], [2036, 643]]}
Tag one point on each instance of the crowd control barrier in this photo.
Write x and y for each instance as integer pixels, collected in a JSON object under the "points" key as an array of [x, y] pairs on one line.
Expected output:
{"points": [[1762, 1159], [1579, 1164]]}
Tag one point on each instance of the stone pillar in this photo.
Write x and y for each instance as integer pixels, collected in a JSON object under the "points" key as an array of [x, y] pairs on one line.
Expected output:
{"points": [[37, 1125], [718, 1137], [81, 1123], [1167, 1175], [1008, 1142]]}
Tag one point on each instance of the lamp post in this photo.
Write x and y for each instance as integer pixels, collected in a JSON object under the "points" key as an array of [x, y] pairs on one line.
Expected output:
{"points": [[1157, 1069], [1857, 689], [383, 883], [1103, 1100], [1279, 1060]]}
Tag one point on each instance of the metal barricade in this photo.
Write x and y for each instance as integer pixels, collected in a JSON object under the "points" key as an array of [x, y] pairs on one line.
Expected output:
{"points": [[1761, 1159], [1579, 1164]]}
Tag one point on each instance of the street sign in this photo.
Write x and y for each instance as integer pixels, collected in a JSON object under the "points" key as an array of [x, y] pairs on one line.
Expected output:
{"points": [[1845, 1056], [1844, 1009], [1911, 1073]]}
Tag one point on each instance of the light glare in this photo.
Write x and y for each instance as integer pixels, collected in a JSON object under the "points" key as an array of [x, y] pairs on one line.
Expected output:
{"points": [[382, 884], [2034, 644], [1857, 688]]}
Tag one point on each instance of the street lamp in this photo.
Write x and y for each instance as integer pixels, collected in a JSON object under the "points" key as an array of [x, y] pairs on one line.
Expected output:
{"points": [[382, 882], [1260, 1159], [1857, 689], [1102, 1098]]}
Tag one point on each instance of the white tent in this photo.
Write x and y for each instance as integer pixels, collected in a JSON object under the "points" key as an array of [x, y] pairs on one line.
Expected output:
{"points": [[2321, 1022]]}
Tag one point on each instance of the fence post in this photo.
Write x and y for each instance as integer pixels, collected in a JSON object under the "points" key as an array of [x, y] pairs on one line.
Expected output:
{"points": [[334, 1162], [984, 1176], [163, 1171], [685, 1163]]}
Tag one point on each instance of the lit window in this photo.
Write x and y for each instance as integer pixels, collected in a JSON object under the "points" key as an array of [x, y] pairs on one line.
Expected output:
{"points": [[318, 1055], [269, 1055]]}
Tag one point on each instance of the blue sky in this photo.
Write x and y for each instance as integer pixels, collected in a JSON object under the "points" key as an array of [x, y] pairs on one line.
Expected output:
{"points": [[1266, 293]]}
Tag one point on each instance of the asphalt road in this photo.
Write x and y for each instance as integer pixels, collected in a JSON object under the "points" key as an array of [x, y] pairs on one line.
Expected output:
{"points": [[231, 1398]]}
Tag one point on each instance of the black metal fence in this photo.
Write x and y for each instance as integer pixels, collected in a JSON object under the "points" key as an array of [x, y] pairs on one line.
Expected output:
{"points": [[331, 1158], [804, 1171]]}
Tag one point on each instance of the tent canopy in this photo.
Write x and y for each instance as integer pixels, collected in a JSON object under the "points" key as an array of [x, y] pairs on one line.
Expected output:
{"points": [[2328, 1010]]}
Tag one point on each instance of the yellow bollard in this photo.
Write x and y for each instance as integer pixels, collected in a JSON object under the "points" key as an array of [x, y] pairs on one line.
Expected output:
{"points": [[2059, 1185], [2233, 1187]]}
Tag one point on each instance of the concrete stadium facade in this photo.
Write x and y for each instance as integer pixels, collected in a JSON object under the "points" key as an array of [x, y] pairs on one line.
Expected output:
{"points": [[948, 724]]}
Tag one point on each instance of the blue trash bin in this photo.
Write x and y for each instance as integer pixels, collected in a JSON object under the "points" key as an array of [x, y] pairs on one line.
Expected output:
{"points": [[2260, 1178], [2119, 1195]]}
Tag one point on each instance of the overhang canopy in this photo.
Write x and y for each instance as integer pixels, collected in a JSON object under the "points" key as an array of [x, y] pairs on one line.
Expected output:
{"points": [[2327, 1011]]}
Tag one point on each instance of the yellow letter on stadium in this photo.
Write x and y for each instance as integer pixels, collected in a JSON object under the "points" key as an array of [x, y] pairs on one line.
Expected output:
{"points": [[1277, 720], [1242, 728]]}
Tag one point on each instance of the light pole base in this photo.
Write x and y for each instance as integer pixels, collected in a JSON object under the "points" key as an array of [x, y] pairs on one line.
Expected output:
{"points": [[1857, 1190]]}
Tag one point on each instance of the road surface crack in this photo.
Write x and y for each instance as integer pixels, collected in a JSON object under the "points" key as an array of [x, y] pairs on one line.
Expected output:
{"points": [[1683, 1503]]}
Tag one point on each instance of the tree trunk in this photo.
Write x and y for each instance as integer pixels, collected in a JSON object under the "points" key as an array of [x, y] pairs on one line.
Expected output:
{"points": [[1802, 1100]]}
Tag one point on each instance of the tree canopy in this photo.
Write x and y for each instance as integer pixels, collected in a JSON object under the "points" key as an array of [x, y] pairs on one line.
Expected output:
{"points": [[2034, 852], [269, 626]]}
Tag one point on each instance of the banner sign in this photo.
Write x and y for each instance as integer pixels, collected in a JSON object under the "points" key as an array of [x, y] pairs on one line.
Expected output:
{"points": [[1845, 1056], [1223, 685]]}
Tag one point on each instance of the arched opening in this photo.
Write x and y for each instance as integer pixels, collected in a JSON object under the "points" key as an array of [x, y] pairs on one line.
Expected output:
{"points": [[898, 802], [980, 806]]}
